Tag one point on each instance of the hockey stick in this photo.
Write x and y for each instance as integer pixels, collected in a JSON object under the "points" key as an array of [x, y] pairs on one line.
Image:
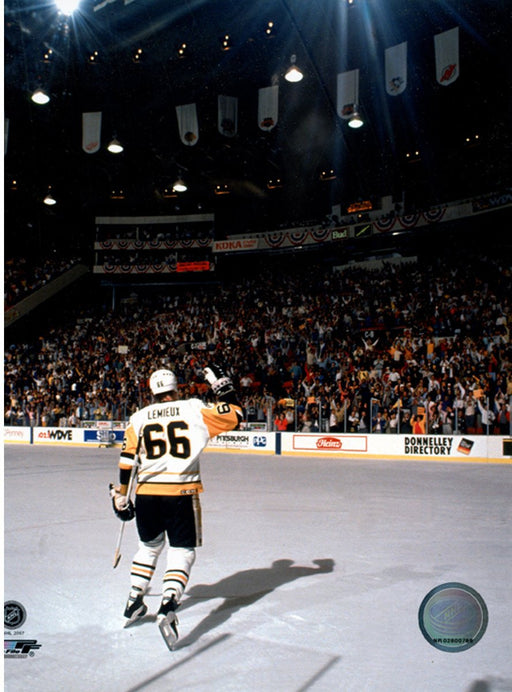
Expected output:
{"points": [[117, 554]]}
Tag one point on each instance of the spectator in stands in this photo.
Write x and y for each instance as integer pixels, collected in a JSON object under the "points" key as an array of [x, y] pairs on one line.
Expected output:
{"points": [[379, 423], [405, 423], [503, 419], [280, 422], [487, 415], [392, 424], [470, 414], [337, 416], [353, 420]]}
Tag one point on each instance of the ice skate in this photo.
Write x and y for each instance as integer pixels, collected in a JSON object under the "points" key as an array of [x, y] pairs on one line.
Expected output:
{"points": [[135, 609], [168, 622]]}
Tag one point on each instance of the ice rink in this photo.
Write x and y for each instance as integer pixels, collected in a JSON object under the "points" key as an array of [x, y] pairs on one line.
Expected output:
{"points": [[311, 576]]}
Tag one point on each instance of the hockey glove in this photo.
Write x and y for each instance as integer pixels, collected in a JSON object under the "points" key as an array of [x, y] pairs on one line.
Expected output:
{"points": [[122, 506], [221, 384]]}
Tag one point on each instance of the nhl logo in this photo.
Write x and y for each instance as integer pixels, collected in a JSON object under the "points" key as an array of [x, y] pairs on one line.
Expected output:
{"points": [[14, 615]]}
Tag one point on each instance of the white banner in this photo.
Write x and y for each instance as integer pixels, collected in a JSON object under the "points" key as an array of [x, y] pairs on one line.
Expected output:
{"points": [[396, 69], [91, 132], [53, 436], [329, 443], [347, 93], [187, 124], [235, 245], [268, 107], [261, 442], [476, 448], [227, 115], [16, 434], [447, 56]]}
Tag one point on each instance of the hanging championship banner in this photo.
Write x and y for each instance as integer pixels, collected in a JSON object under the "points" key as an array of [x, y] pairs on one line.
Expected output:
{"points": [[395, 59], [268, 107], [446, 47], [187, 124], [347, 93], [91, 132], [227, 115]]}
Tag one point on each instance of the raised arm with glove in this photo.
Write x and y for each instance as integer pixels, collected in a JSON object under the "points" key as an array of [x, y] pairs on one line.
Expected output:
{"points": [[221, 384]]}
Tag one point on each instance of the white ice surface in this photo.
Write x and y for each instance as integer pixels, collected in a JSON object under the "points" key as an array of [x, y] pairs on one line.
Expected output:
{"points": [[310, 578]]}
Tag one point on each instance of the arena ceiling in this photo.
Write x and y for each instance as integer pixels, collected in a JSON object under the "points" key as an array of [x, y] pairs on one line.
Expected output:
{"points": [[429, 145]]}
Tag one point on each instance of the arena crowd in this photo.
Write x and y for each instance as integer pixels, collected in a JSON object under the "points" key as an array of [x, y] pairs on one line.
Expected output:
{"points": [[23, 277], [421, 348]]}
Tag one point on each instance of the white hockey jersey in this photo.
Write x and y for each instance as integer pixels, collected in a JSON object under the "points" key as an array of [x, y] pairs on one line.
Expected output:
{"points": [[172, 435]]}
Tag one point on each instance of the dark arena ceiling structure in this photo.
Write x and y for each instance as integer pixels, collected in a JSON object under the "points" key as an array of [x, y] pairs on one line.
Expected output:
{"points": [[135, 61]]}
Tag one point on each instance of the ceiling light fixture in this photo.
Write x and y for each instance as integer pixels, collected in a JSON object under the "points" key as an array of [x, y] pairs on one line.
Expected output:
{"points": [[179, 185], [355, 121], [115, 146], [49, 199], [40, 97], [293, 74], [67, 6]]}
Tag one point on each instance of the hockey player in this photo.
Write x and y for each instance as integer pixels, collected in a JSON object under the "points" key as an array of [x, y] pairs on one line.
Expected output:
{"points": [[167, 438]]}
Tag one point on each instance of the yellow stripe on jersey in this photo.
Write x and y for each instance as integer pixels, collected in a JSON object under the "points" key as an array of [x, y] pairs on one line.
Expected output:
{"points": [[185, 476], [167, 489], [221, 418]]}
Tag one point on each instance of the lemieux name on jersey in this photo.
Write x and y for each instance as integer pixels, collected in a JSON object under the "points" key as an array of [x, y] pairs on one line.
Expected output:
{"points": [[164, 412]]}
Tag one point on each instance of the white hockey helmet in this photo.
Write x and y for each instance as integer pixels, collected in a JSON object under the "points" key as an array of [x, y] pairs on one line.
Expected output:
{"points": [[162, 381]]}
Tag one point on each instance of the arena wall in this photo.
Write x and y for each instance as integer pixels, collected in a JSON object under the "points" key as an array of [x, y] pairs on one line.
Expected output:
{"points": [[495, 449]]}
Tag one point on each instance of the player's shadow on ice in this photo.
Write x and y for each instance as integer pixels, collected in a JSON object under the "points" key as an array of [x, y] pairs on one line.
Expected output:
{"points": [[243, 589]]}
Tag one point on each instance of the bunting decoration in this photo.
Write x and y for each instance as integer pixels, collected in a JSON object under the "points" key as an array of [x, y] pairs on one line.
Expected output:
{"points": [[409, 220], [395, 67], [91, 132], [187, 124], [347, 93], [275, 239], [446, 47], [227, 115], [434, 215], [268, 107], [384, 223], [124, 244], [319, 234], [298, 237]]}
